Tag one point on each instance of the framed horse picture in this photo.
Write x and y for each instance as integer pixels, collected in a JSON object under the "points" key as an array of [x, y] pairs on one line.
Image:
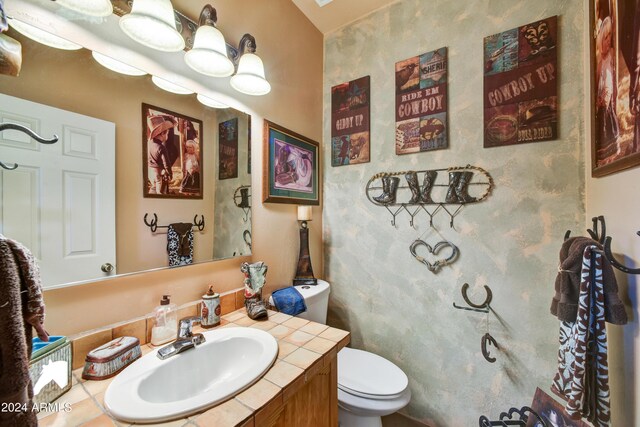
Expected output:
{"points": [[291, 167]]}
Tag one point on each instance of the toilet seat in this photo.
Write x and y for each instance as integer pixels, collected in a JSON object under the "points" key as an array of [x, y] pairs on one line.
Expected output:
{"points": [[370, 376]]}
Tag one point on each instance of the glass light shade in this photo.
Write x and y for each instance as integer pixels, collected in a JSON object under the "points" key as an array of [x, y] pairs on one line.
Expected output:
{"points": [[41, 36], [88, 7], [153, 24], [210, 102], [249, 79], [304, 213], [170, 87], [209, 53], [117, 66]]}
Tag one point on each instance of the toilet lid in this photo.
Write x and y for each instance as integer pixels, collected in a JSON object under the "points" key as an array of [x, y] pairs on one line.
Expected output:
{"points": [[367, 373]]}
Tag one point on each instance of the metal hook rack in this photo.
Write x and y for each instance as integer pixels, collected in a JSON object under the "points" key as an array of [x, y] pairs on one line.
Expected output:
{"points": [[395, 208], [599, 234], [153, 225], [32, 134]]}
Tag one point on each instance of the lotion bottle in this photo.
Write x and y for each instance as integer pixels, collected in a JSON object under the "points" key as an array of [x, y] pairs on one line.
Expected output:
{"points": [[165, 325]]}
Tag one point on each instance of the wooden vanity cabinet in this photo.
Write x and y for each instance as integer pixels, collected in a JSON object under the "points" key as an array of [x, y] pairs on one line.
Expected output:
{"points": [[315, 404]]}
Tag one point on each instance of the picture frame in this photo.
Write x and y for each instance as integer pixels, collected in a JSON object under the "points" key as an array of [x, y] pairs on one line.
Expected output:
{"points": [[291, 166], [614, 85], [228, 149], [551, 411], [172, 165]]}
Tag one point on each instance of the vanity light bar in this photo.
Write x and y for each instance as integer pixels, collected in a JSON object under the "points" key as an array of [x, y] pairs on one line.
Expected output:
{"points": [[42, 36], [169, 86], [117, 66], [209, 102], [98, 8]]}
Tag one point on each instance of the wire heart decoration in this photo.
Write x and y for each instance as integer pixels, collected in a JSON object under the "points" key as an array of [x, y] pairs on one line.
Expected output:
{"points": [[438, 264]]}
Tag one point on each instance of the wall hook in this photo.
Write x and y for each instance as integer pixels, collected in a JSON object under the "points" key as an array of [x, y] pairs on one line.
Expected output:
{"points": [[614, 262], [482, 308], [487, 338], [153, 225], [595, 233], [9, 168]]}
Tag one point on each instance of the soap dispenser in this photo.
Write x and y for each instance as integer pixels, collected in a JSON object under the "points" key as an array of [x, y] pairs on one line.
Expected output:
{"points": [[165, 326]]}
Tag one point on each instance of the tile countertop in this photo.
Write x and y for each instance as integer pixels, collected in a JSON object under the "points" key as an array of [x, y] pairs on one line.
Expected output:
{"points": [[303, 350]]}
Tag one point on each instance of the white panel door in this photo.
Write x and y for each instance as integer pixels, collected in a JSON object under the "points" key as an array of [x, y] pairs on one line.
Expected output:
{"points": [[60, 202]]}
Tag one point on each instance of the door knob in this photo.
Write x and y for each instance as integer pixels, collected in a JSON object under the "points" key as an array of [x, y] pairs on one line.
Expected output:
{"points": [[106, 267]]}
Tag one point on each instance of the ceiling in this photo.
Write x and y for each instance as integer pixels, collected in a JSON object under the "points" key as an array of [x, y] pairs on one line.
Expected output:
{"points": [[338, 13]]}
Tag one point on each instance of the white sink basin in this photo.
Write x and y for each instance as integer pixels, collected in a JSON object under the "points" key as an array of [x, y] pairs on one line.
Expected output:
{"points": [[153, 390]]}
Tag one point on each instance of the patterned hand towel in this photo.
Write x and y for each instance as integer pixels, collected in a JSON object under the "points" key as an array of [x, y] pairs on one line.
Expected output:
{"points": [[289, 301], [583, 373], [180, 244]]}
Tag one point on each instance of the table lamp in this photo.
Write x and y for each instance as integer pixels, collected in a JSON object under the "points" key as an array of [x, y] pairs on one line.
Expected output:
{"points": [[304, 272]]}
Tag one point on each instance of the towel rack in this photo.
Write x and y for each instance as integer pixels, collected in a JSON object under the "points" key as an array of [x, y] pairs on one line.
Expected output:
{"points": [[507, 418], [599, 234], [32, 134], [153, 225]]}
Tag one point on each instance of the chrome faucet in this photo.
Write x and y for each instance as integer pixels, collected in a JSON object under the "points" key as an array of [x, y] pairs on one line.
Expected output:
{"points": [[185, 340]]}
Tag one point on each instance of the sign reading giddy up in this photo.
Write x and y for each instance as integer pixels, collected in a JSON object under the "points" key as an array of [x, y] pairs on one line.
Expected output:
{"points": [[350, 110], [421, 103], [521, 85]]}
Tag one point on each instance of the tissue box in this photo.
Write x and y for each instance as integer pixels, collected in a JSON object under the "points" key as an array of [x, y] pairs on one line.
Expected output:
{"points": [[109, 359], [50, 369]]}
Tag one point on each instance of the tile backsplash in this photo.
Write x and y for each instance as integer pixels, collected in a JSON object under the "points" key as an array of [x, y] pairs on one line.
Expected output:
{"points": [[140, 328]]}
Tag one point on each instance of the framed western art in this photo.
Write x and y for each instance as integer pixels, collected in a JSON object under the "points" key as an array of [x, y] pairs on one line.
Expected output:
{"points": [[421, 103], [171, 155], [614, 28], [291, 167], [521, 84], [350, 111]]}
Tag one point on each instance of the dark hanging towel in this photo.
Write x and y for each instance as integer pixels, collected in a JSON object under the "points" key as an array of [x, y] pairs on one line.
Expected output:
{"points": [[180, 244], [21, 308]]}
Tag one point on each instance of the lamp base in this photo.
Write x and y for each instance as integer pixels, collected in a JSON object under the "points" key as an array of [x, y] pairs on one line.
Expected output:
{"points": [[302, 281]]}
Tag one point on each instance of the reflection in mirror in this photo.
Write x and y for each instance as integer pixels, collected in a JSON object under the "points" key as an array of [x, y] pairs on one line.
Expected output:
{"points": [[68, 200]]}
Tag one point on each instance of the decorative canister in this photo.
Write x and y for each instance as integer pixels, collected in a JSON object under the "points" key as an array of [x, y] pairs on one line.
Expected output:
{"points": [[50, 369], [210, 309], [109, 359]]}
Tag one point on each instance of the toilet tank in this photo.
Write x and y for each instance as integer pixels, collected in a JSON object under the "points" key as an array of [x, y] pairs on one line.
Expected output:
{"points": [[316, 298]]}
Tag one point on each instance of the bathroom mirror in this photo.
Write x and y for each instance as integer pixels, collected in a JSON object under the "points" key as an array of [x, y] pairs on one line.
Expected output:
{"points": [[73, 82]]}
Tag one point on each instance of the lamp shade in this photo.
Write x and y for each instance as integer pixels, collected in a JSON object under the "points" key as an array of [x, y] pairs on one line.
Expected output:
{"points": [[153, 24], [249, 79], [117, 66], [209, 53], [41, 36], [169, 86], [304, 213], [88, 7], [210, 102]]}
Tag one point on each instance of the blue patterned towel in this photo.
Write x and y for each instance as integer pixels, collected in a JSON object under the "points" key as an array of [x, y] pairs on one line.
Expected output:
{"points": [[289, 301]]}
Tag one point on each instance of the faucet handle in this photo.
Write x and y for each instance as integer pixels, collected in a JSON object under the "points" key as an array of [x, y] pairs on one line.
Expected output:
{"points": [[185, 326]]}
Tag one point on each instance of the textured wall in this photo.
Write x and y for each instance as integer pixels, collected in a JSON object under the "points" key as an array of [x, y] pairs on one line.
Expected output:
{"points": [[390, 302]]}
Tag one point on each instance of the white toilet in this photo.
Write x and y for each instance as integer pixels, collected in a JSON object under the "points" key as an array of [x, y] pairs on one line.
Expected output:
{"points": [[369, 386]]}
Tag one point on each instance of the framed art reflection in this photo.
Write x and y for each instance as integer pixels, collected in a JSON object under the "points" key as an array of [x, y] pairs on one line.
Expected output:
{"points": [[172, 154]]}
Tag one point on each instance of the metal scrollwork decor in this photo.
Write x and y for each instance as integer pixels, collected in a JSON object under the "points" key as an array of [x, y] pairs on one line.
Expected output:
{"points": [[438, 264]]}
